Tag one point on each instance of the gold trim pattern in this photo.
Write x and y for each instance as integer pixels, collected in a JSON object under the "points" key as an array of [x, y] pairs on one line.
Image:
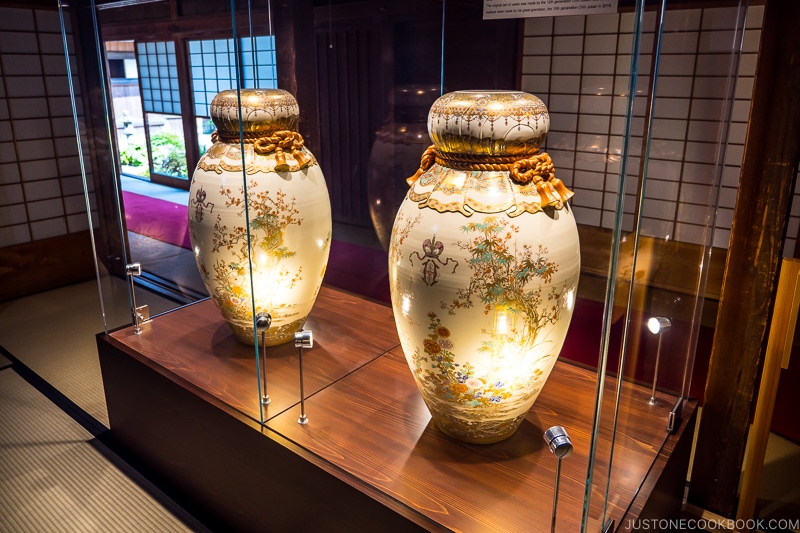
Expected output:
{"points": [[487, 184], [274, 337], [488, 123], [477, 431], [227, 157]]}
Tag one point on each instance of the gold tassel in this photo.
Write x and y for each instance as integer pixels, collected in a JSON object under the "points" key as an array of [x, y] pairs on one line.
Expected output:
{"points": [[280, 160], [547, 194], [302, 159], [561, 189]]}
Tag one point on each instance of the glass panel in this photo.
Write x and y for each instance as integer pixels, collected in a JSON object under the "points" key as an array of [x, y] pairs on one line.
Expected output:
{"points": [[671, 216]]}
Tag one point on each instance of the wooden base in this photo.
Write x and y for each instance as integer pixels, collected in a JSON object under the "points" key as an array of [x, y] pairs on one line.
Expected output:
{"points": [[183, 397]]}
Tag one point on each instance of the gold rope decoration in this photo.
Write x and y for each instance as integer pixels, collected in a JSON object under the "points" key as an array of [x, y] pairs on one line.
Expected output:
{"points": [[279, 142], [427, 161], [538, 169], [476, 162]]}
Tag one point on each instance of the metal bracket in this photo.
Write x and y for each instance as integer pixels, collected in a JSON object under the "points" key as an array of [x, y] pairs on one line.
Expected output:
{"points": [[141, 313], [263, 322], [303, 339], [561, 446], [675, 416]]}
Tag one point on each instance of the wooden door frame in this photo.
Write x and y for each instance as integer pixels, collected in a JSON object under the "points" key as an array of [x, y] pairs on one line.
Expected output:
{"points": [[760, 220]]}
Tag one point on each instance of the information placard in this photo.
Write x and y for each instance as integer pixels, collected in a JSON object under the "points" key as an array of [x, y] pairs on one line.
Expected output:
{"points": [[504, 9]]}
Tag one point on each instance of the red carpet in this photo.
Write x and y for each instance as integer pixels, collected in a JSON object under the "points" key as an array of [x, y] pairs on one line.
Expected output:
{"points": [[158, 219]]}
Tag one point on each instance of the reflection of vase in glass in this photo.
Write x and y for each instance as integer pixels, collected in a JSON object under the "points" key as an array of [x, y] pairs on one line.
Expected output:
{"points": [[395, 154], [273, 219], [484, 264]]}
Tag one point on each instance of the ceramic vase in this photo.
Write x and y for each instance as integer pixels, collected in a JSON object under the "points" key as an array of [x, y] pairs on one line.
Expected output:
{"points": [[403, 136], [260, 215], [484, 264]]}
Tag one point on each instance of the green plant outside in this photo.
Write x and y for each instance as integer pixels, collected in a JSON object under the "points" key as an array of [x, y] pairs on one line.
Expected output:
{"points": [[169, 155]]}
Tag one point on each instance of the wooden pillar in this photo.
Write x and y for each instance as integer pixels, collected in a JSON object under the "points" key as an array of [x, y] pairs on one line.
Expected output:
{"points": [[754, 253]]}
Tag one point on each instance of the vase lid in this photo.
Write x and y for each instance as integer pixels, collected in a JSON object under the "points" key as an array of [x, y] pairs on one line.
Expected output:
{"points": [[265, 112], [488, 123]]}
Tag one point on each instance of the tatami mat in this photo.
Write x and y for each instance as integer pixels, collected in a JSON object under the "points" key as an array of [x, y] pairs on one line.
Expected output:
{"points": [[55, 476], [53, 334]]}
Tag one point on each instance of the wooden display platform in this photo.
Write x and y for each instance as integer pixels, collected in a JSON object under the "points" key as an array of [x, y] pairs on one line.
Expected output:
{"points": [[183, 399]]}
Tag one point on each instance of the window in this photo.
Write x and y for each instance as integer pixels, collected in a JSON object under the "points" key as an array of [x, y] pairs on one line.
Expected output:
{"points": [[213, 67], [158, 75], [160, 150]]}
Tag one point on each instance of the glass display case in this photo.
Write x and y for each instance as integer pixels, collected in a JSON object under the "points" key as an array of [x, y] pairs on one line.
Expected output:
{"points": [[647, 105]]}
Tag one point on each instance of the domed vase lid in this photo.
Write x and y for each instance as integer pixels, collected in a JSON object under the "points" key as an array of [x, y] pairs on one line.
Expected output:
{"points": [[485, 156], [488, 123], [264, 112], [268, 124]]}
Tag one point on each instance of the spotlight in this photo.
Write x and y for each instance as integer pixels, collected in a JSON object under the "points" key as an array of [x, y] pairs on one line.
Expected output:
{"points": [[657, 326]]}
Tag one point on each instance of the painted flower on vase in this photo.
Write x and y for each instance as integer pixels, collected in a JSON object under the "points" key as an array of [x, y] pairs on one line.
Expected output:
{"points": [[269, 216], [511, 282]]}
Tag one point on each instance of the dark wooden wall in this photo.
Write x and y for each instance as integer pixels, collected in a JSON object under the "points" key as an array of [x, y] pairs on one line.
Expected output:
{"points": [[365, 50], [350, 112]]}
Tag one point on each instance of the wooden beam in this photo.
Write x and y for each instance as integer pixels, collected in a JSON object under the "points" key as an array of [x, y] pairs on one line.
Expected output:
{"points": [[45, 264], [674, 266], [759, 224]]}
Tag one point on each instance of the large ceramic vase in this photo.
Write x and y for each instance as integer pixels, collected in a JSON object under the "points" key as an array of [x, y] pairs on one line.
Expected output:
{"points": [[484, 264], [260, 220]]}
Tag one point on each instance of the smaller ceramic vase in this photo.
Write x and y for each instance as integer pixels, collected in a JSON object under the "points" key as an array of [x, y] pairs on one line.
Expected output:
{"points": [[260, 219]]}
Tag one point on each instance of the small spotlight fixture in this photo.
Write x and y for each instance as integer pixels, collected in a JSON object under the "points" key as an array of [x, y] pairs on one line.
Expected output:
{"points": [[658, 324], [561, 446]]}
